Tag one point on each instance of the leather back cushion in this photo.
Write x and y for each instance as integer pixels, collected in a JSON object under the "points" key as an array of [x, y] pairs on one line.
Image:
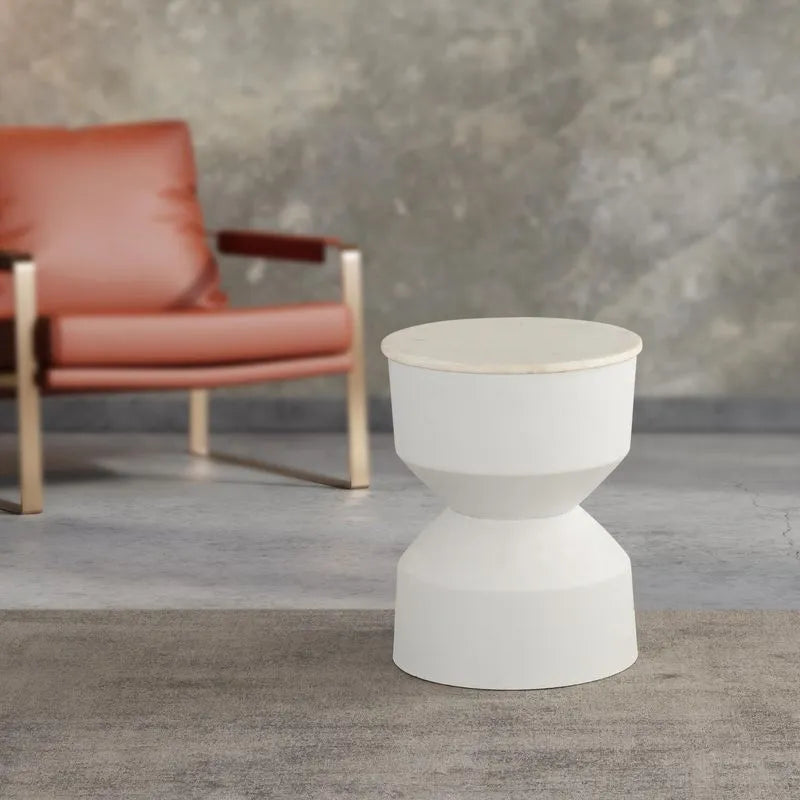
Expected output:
{"points": [[110, 215]]}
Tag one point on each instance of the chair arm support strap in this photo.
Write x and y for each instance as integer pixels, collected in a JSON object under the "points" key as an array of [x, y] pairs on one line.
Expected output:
{"points": [[265, 244], [8, 258]]}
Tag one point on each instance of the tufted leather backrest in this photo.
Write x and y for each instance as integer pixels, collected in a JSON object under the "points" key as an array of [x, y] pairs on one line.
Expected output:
{"points": [[110, 215]]}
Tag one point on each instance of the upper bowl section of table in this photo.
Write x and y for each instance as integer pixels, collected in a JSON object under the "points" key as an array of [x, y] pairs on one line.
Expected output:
{"points": [[511, 345]]}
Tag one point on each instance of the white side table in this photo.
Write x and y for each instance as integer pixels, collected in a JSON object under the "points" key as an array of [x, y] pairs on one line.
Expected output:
{"points": [[513, 422]]}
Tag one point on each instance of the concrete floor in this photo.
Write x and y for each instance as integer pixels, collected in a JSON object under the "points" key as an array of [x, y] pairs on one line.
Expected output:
{"points": [[132, 522]]}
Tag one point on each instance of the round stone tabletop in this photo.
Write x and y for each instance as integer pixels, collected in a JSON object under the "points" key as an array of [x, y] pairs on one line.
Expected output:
{"points": [[511, 345]]}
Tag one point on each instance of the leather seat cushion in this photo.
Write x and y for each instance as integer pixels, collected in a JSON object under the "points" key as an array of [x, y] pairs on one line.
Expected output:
{"points": [[194, 338]]}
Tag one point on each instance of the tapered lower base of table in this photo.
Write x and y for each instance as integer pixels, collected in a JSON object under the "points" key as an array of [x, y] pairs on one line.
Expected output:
{"points": [[514, 604]]}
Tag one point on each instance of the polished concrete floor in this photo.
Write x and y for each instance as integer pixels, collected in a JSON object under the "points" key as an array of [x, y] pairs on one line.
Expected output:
{"points": [[710, 521]]}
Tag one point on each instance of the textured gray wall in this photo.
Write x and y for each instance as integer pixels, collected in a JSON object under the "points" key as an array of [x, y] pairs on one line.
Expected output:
{"points": [[632, 161]]}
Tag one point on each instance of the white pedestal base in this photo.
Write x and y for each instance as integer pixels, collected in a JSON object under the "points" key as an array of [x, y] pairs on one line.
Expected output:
{"points": [[514, 604]]}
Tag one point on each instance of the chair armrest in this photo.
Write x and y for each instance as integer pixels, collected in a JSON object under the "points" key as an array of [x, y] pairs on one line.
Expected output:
{"points": [[9, 258], [266, 244]]}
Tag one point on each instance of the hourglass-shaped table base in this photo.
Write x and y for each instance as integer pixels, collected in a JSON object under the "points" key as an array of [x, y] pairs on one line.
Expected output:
{"points": [[514, 604], [513, 422]]}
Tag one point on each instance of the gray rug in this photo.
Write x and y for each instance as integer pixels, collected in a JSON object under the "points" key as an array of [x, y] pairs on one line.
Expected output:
{"points": [[293, 704]]}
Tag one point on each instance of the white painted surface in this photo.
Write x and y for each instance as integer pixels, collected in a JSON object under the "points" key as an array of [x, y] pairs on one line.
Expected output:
{"points": [[511, 345], [518, 604], [514, 586], [536, 424]]}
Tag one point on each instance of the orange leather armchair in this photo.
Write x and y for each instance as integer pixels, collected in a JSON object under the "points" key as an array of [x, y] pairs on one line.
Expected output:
{"points": [[107, 283]]}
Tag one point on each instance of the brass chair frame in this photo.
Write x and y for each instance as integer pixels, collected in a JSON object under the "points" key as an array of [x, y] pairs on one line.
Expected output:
{"points": [[24, 382]]}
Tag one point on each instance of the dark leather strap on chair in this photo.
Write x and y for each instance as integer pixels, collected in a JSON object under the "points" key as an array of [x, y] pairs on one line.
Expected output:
{"points": [[264, 244], [10, 257]]}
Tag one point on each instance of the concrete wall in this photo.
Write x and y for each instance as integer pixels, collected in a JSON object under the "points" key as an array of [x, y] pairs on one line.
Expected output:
{"points": [[631, 161]]}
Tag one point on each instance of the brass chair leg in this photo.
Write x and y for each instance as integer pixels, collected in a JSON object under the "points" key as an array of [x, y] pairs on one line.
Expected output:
{"points": [[198, 422], [29, 444], [199, 446], [357, 416], [31, 489], [357, 419]]}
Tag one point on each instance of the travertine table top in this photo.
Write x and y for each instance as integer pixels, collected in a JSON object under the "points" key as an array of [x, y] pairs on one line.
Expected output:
{"points": [[511, 345]]}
